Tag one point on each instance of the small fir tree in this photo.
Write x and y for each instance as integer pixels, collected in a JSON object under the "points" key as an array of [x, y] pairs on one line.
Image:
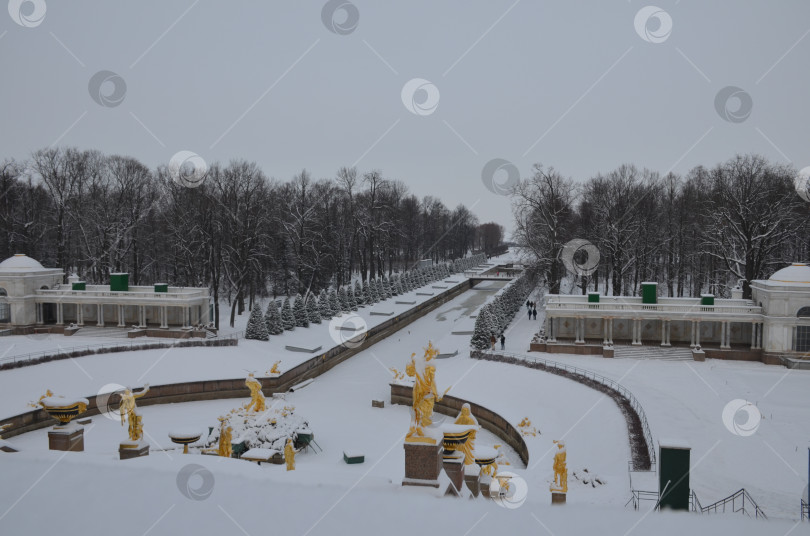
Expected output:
{"points": [[256, 328]]}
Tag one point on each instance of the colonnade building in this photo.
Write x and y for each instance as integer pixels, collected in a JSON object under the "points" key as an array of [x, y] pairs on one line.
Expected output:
{"points": [[774, 324], [32, 295]]}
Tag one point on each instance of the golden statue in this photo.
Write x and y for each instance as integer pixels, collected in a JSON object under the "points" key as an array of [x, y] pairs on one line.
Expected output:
{"points": [[289, 454], [560, 470], [129, 412], [274, 369], [224, 448], [466, 418], [425, 393], [256, 397]]}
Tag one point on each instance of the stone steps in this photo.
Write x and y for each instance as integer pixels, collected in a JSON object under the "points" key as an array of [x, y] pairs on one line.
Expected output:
{"points": [[672, 353]]}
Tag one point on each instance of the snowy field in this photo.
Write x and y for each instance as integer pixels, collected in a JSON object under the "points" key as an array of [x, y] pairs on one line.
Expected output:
{"points": [[94, 493]]}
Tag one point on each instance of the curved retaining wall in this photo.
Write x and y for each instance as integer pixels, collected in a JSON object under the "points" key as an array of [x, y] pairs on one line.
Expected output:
{"points": [[488, 419], [642, 457], [235, 388]]}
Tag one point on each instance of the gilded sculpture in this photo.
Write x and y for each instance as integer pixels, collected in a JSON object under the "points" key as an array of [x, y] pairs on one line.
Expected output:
{"points": [[129, 412], [225, 437], [468, 447], [560, 470], [289, 454], [257, 402], [425, 393]]}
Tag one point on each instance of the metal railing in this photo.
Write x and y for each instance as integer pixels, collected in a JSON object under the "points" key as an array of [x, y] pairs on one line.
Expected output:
{"points": [[638, 495], [598, 378], [738, 502], [684, 308], [106, 293], [694, 503], [805, 510]]}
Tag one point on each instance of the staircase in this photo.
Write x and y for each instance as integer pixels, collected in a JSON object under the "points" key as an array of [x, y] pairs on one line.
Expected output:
{"points": [[672, 353]]}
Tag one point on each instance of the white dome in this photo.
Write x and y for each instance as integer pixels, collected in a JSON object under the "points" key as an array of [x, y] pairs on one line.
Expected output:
{"points": [[795, 273], [21, 263]]}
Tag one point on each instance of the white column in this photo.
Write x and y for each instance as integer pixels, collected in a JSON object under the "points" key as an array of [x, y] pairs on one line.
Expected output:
{"points": [[610, 338], [79, 314], [120, 309], [163, 317], [100, 315], [697, 332], [551, 334], [760, 333], [663, 332], [604, 331], [636, 332], [186, 314], [141, 315]]}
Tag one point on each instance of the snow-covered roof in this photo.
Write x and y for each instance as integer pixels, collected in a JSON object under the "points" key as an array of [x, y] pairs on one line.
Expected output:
{"points": [[21, 263], [795, 273]]}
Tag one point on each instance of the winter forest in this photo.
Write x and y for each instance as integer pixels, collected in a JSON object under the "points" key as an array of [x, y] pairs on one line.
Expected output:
{"points": [[240, 233], [704, 232]]}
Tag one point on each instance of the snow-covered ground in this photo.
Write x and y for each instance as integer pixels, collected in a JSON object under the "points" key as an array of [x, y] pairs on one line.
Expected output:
{"points": [[94, 493]]}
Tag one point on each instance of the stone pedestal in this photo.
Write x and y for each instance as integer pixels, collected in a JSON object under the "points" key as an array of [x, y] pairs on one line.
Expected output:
{"points": [[472, 484], [132, 449], [557, 497], [607, 351], [454, 467], [698, 355], [423, 463], [70, 437]]}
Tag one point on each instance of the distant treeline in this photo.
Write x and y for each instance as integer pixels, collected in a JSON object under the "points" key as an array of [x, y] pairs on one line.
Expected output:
{"points": [[704, 232], [238, 232]]}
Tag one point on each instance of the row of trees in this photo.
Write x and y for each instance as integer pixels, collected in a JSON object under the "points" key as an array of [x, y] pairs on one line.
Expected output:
{"points": [[703, 232], [312, 309], [239, 233], [494, 317]]}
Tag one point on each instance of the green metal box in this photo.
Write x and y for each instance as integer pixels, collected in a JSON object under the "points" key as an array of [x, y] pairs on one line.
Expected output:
{"points": [[79, 285], [649, 293], [707, 299], [593, 297], [161, 287], [673, 475], [119, 282], [353, 457]]}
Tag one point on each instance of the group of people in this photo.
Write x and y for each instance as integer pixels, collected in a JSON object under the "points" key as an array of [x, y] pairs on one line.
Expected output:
{"points": [[493, 339], [532, 308]]}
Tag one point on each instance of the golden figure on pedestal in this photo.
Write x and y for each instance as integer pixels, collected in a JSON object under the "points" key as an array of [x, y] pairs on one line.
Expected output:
{"points": [[425, 393], [257, 403], [225, 431], [289, 454], [468, 447], [560, 470], [274, 369], [129, 412]]}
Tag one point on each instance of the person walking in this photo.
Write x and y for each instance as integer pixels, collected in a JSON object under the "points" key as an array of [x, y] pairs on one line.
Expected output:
{"points": [[534, 313], [492, 340], [503, 341]]}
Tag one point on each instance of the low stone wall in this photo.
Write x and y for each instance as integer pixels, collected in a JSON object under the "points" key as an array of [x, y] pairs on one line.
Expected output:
{"points": [[639, 449], [488, 419], [235, 388], [733, 354], [567, 348]]}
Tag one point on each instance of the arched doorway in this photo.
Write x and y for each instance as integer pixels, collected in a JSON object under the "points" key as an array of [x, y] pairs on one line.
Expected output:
{"points": [[48, 310], [802, 343], [5, 308]]}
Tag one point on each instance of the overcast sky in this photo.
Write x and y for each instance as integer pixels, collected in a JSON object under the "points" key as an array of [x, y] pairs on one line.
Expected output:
{"points": [[581, 86]]}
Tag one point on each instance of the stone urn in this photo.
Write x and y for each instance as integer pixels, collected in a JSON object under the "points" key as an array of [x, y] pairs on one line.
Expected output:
{"points": [[64, 410], [185, 436]]}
